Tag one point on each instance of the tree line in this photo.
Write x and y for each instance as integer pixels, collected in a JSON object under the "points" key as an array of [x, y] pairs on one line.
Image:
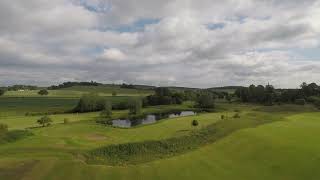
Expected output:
{"points": [[268, 95], [71, 84]]}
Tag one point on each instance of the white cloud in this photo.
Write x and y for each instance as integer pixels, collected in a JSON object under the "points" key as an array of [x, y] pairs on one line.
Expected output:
{"points": [[113, 54], [254, 41]]}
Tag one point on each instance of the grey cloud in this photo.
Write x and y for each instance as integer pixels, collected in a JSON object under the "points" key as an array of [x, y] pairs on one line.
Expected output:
{"points": [[50, 42]]}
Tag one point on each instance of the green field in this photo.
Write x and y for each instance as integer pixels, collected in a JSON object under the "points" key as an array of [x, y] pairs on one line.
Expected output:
{"points": [[276, 142], [77, 91]]}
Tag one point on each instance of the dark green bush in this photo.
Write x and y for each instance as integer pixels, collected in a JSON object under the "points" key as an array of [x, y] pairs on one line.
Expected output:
{"points": [[236, 116], [300, 101], [194, 123], [44, 121], [43, 92], [2, 91], [14, 135]]}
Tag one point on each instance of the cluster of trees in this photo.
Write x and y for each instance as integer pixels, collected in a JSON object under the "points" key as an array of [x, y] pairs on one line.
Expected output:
{"points": [[135, 107], [205, 101], [163, 96], [44, 121], [127, 86], [268, 95], [71, 84], [106, 113], [90, 103], [21, 87], [257, 94], [2, 91], [43, 92]]}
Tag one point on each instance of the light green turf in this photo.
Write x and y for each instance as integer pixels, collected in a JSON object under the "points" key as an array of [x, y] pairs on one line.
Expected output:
{"points": [[282, 150]]}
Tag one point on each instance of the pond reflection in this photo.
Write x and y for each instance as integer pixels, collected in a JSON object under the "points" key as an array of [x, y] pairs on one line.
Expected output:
{"points": [[149, 119]]}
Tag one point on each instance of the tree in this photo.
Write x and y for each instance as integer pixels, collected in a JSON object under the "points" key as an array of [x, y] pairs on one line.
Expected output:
{"points": [[194, 123], [114, 93], [107, 111], [3, 129], [2, 91], [43, 92], [44, 121], [90, 103], [135, 107], [163, 96], [205, 101], [163, 91]]}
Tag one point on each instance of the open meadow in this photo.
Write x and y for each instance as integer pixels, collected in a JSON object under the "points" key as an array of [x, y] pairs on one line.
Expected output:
{"points": [[262, 142]]}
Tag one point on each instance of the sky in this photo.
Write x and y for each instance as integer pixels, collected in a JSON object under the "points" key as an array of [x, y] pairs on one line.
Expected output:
{"points": [[203, 43]]}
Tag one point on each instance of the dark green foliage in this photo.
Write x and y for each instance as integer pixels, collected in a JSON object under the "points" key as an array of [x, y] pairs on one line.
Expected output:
{"points": [[194, 123], [3, 129], [205, 101], [120, 106], [268, 95], [127, 86], [163, 96], [114, 93], [44, 121], [135, 107], [106, 113], [2, 91], [21, 87], [257, 94], [43, 92], [14, 135], [228, 98], [314, 100], [236, 116], [310, 89], [290, 95], [90, 103], [141, 152], [71, 84], [300, 101], [222, 117]]}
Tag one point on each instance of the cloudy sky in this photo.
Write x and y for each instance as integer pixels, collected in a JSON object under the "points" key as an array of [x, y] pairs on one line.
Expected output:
{"points": [[201, 43]]}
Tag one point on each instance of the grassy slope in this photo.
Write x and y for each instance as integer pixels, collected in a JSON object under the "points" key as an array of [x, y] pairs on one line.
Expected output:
{"points": [[283, 150]]}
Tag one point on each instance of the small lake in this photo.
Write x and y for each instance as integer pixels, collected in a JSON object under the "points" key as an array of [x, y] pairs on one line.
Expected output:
{"points": [[150, 119]]}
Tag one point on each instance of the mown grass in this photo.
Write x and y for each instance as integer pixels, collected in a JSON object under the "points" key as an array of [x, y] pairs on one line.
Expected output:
{"points": [[141, 152], [285, 149]]}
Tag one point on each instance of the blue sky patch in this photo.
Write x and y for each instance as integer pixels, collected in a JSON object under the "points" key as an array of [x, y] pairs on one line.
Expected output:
{"points": [[214, 26]]}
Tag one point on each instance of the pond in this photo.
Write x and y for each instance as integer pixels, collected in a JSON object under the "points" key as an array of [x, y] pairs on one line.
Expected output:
{"points": [[150, 119]]}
